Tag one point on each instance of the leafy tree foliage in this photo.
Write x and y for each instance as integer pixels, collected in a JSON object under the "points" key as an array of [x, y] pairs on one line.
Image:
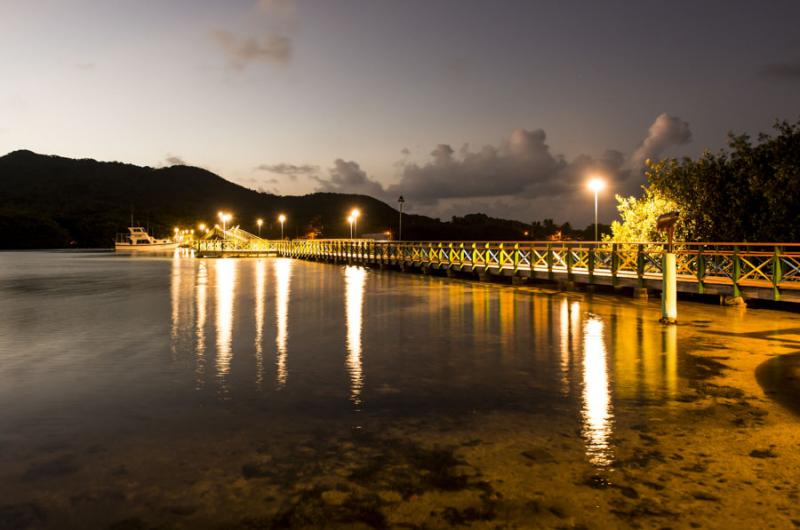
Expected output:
{"points": [[639, 215], [748, 192], [751, 193]]}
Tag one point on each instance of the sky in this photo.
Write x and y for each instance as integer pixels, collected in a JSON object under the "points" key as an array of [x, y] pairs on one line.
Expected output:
{"points": [[504, 107]]}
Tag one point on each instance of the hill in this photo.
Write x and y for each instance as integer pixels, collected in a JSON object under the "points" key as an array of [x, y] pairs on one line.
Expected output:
{"points": [[56, 202]]}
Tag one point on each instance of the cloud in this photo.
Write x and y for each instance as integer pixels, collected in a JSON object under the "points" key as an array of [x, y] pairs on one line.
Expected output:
{"points": [[787, 71], [519, 178], [666, 132], [348, 177], [173, 160], [241, 52], [290, 170]]}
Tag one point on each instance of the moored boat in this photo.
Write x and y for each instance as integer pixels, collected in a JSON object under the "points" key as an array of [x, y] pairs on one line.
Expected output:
{"points": [[138, 240]]}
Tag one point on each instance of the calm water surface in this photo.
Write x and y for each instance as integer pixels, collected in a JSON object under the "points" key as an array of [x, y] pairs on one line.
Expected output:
{"points": [[161, 392]]}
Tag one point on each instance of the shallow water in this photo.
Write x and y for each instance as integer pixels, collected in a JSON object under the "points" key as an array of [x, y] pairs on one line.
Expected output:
{"points": [[172, 392]]}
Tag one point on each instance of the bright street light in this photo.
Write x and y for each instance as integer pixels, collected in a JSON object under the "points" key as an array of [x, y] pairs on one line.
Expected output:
{"points": [[351, 220], [596, 184], [355, 214], [259, 222], [282, 219]]}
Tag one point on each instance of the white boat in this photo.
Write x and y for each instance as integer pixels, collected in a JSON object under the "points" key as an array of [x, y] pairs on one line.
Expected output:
{"points": [[138, 240]]}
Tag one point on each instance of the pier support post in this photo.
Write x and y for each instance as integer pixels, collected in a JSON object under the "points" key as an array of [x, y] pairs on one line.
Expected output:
{"points": [[518, 280], [640, 293], [669, 291]]}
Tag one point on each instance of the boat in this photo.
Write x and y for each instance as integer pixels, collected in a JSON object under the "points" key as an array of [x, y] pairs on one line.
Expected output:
{"points": [[138, 240]]}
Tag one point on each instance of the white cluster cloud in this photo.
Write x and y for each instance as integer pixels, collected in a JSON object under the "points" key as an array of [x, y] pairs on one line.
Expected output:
{"points": [[666, 132], [513, 179]]}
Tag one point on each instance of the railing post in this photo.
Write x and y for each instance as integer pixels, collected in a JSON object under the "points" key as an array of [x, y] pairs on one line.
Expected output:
{"points": [[568, 260], [548, 257], [737, 272], [614, 263], [591, 258], [640, 265], [500, 256], [777, 274], [701, 269], [516, 257]]}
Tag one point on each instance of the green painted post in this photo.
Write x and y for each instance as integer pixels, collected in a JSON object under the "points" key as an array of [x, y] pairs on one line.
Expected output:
{"points": [[516, 257], [640, 265], [737, 272], [474, 250], [569, 261], [777, 274], [592, 256], [614, 263], [701, 270], [548, 257]]}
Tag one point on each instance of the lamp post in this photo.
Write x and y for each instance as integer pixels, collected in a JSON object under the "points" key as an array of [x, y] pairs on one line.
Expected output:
{"points": [[354, 214], [400, 201], [282, 219], [259, 222], [596, 184], [350, 220]]}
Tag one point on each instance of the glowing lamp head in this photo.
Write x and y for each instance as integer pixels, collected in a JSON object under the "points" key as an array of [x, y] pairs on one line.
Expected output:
{"points": [[596, 184], [282, 218], [176, 230], [220, 214], [351, 219], [259, 222], [355, 213], [202, 227]]}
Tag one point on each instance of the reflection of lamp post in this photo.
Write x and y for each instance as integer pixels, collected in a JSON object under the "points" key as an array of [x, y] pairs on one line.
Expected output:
{"points": [[401, 201], [596, 184], [354, 214], [259, 222], [282, 219], [350, 220]]}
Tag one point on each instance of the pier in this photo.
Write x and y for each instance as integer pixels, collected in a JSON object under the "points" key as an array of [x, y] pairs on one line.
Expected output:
{"points": [[733, 271]]}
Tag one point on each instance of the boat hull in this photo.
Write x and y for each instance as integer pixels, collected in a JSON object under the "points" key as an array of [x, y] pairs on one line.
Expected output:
{"points": [[154, 247]]}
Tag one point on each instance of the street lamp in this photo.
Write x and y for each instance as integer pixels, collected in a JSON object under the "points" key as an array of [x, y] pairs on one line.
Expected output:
{"points": [[259, 222], [401, 201], [224, 217], [281, 220], [596, 184], [350, 220], [354, 214], [202, 227]]}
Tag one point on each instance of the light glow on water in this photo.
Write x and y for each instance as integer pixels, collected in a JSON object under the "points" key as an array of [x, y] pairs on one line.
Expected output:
{"points": [[283, 290], [201, 296], [260, 294], [597, 415], [355, 281], [226, 292]]}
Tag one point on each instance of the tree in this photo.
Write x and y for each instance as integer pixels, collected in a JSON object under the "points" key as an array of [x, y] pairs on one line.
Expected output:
{"points": [[748, 192], [639, 215]]}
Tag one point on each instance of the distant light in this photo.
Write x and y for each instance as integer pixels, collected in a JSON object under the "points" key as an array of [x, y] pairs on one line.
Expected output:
{"points": [[202, 227], [220, 214], [596, 184], [351, 219], [259, 222], [176, 230], [281, 218], [355, 213]]}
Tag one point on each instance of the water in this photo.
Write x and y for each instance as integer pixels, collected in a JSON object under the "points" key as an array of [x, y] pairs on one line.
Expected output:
{"points": [[140, 392]]}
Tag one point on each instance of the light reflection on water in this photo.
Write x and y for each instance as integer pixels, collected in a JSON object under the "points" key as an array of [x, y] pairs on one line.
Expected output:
{"points": [[225, 271], [380, 341], [283, 280], [355, 279], [597, 411]]}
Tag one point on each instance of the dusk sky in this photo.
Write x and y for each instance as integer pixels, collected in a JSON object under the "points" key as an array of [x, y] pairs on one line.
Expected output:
{"points": [[503, 107]]}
